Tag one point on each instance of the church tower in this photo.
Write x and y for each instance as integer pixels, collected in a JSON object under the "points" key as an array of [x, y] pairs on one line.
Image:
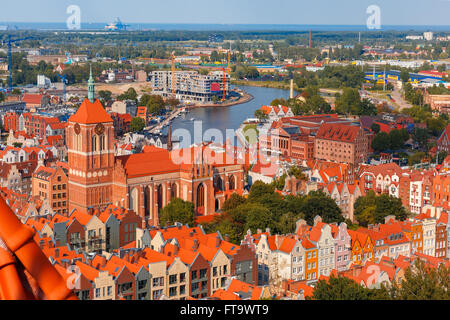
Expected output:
{"points": [[90, 143]]}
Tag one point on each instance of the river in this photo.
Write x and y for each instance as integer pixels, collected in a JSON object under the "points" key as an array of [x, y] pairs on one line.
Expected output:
{"points": [[223, 119]]}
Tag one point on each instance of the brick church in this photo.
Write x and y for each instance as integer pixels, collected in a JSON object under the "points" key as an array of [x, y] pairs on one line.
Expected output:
{"points": [[144, 182]]}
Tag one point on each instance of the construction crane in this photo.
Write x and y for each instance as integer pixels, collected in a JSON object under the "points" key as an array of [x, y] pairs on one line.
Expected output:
{"points": [[9, 42], [173, 74], [64, 80]]}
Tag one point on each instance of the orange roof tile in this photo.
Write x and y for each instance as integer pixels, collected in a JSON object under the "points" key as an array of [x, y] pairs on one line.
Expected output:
{"points": [[89, 113]]}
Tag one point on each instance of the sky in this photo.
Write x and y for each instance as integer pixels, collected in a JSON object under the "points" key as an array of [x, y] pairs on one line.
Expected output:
{"points": [[310, 12]]}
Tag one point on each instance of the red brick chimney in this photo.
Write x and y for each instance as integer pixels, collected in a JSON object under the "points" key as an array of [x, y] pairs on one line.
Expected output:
{"points": [[176, 249]]}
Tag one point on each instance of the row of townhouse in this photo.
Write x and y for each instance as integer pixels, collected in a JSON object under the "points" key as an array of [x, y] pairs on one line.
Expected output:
{"points": [[39, 153], [91, 232], [34, 124], [315, 251], [416, 188], [187, 264]]}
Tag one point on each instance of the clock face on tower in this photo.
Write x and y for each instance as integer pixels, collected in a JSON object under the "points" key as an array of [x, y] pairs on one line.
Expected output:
{"points": [[99, 129], [77, 128]]}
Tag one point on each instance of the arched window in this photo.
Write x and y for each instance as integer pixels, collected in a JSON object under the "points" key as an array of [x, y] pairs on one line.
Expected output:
{"points": [[159, 192], [232, 182], [200, 196], [134, 199], [147, 201]]}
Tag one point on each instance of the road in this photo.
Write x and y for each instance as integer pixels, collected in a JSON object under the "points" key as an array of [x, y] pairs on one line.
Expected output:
{"points": [[397, 96]]}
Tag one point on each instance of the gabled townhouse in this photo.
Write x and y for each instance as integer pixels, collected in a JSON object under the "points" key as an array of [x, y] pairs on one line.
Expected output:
{"points": [[429, 233], [112, 230], [81, 286], [383, 178], [141, 280], [443, 142], [398, 242], [322, 237], [219, 265], [51, 183], [441, 190], [345, 196], [157, 265], [94, 231], [342, 246], [265, 246], [362, 247], [103, 284], [125, 284], [311, 260], [441, 236], [199, 272], [413, 230]]}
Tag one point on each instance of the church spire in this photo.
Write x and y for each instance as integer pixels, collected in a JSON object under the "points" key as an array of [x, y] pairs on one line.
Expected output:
{"points": [[91, 88]]}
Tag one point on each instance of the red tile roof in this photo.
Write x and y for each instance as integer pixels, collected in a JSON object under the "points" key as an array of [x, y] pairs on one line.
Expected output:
{"points": [[337, 132], [89, 113]]}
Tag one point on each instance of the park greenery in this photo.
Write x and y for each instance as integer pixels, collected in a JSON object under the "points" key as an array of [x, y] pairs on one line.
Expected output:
{"points": [[177, 210], [393, 140], [137, 124], [265, 208], [372, 208], [421, 282]]}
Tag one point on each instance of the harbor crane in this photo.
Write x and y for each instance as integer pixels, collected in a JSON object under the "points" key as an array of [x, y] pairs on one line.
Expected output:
{"points": [[9, 42]]}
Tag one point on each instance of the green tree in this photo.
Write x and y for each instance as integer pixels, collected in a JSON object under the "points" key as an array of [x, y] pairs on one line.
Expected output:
{"points": [[404, 76], [349, 102], [371, 208], [381, 141], [130, 94], [233, 202], [173, 102], [318, 203], [397, 139], [178, 210], [155, 104], [420, 137], [261, 115], [423, 282], [137, 124], [342, 288], [105, 95], [375, 127], [2, 97], [256, 216]]}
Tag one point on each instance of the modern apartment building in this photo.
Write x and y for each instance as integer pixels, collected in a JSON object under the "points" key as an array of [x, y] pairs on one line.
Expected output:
{"points": [[190, 85]]}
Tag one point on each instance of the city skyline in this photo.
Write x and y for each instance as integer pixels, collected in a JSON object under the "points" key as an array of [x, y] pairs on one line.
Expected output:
{"points": [[323, 12]]}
